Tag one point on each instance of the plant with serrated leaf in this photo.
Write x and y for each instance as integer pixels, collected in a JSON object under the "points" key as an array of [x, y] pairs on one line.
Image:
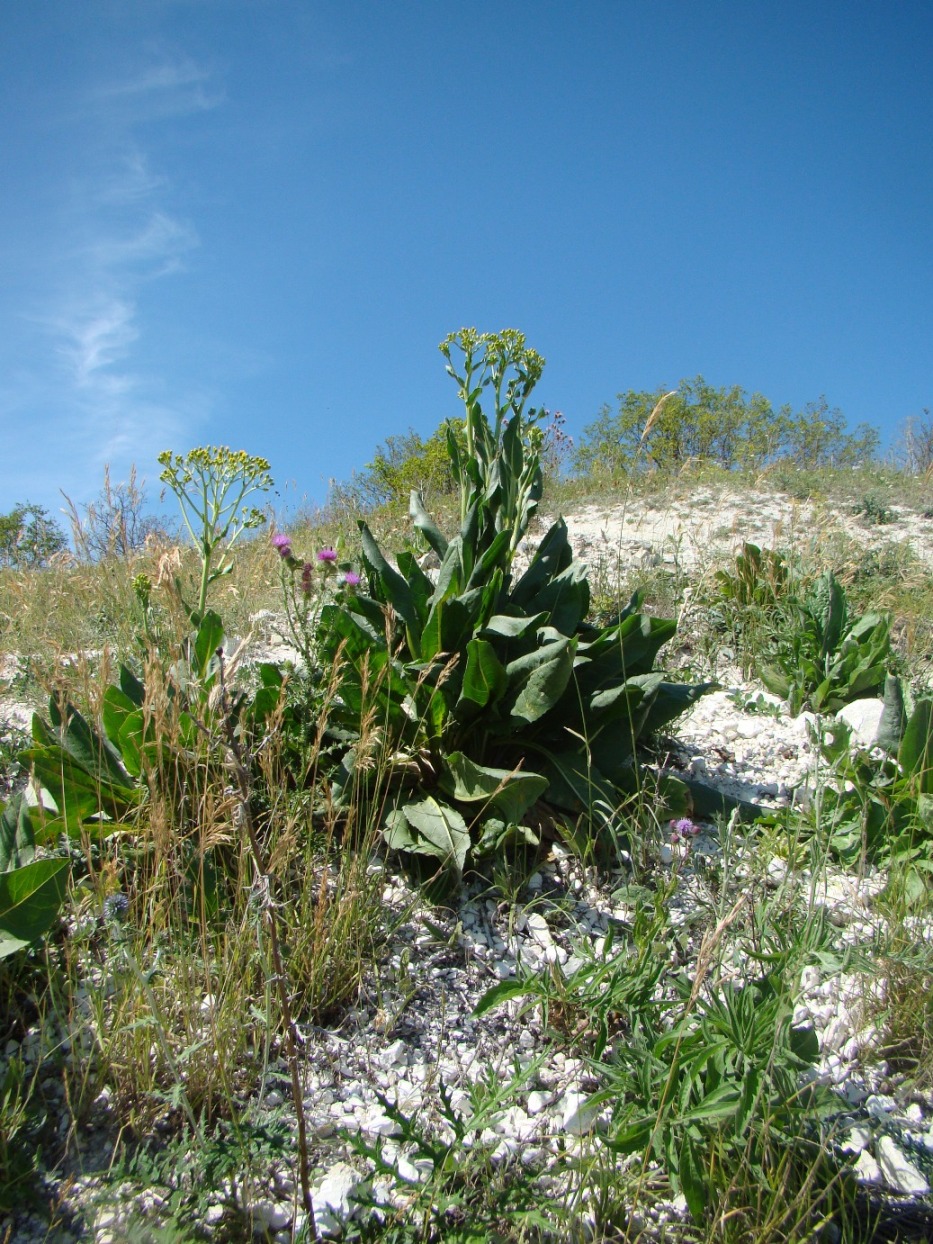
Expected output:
{"points": [[827, 660], [451, 1182], [700, 1075], [487, 686]]}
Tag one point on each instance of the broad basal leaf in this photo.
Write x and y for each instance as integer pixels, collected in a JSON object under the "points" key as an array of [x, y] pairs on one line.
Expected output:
{"points": [[915, 754], [484, 679], [79, 740], [441, 831], [397, 592], [17, 840], [545, 684], [426, 525], [511, 792], [30, 899]]}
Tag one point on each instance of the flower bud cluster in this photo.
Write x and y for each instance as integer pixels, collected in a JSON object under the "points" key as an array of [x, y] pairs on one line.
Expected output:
{"points": [[327, 562]]}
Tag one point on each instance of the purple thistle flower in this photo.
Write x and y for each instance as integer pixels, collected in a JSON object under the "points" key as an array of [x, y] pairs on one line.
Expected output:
{"points": [[327, 555], [352, 579], [306, 572], [282, 544], [684, 828]]}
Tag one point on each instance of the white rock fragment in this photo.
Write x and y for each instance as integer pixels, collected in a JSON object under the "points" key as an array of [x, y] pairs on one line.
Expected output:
{"points": [[333, 1199], [538, 930], [377, 1123], [575, 1117], [538, 1101], [857, 1140], [394, 1055], [899, 1173], [867, 1170], [863, 717], [269, 1216]]}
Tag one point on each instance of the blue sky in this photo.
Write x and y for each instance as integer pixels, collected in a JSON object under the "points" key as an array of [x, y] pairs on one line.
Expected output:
{"points": [[250, 222]]}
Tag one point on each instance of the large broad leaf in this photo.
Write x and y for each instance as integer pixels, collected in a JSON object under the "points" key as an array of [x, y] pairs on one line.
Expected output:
{"points": [[447, 626], [574, 782], [117, 707], [915, 754], [510, 792], [78, 794], [501, 626], [451, 575], [565, 599], [426, 525], [421, 586], [397, 592], [826, 604], [91, 752], [30, 900], [484, 679], [545, 683], [438, 830], [672, 699], [17, 840], [553, 555], [135, 733], [209, 639], [893, 715], [131, 686], [624, 650], [497, 835]]}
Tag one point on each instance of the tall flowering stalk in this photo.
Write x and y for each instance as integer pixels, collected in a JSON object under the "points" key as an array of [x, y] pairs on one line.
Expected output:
{"points": [[212, 485], [500, 473]]}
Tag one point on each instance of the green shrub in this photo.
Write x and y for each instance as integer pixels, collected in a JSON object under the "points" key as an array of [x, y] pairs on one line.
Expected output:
{"points": [[29, 537], [698, 422]]}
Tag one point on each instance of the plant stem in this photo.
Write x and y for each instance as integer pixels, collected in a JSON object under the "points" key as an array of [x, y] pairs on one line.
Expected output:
{"points": [[263, 885]]}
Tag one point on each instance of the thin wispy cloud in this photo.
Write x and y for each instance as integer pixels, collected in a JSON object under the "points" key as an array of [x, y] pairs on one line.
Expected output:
{"points": [[164, 89], [119, 233], [132, 182], [156, 248]]}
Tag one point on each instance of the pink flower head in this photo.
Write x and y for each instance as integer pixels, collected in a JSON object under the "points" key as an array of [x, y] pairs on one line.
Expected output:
{"points": [[327, 555], [352, 579], [282, 544], [307, 570], [684, 828]]}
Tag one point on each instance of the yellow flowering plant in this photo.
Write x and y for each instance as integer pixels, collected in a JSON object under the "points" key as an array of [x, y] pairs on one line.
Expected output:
{"points": [[212, 484]]}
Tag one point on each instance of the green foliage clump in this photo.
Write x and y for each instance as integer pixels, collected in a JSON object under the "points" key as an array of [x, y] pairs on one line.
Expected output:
{"points": [[878, 805], [823, 660], [760, 578], [486, 689], [698, 1074], [724, 426], [29, 537], [873, 512]]}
